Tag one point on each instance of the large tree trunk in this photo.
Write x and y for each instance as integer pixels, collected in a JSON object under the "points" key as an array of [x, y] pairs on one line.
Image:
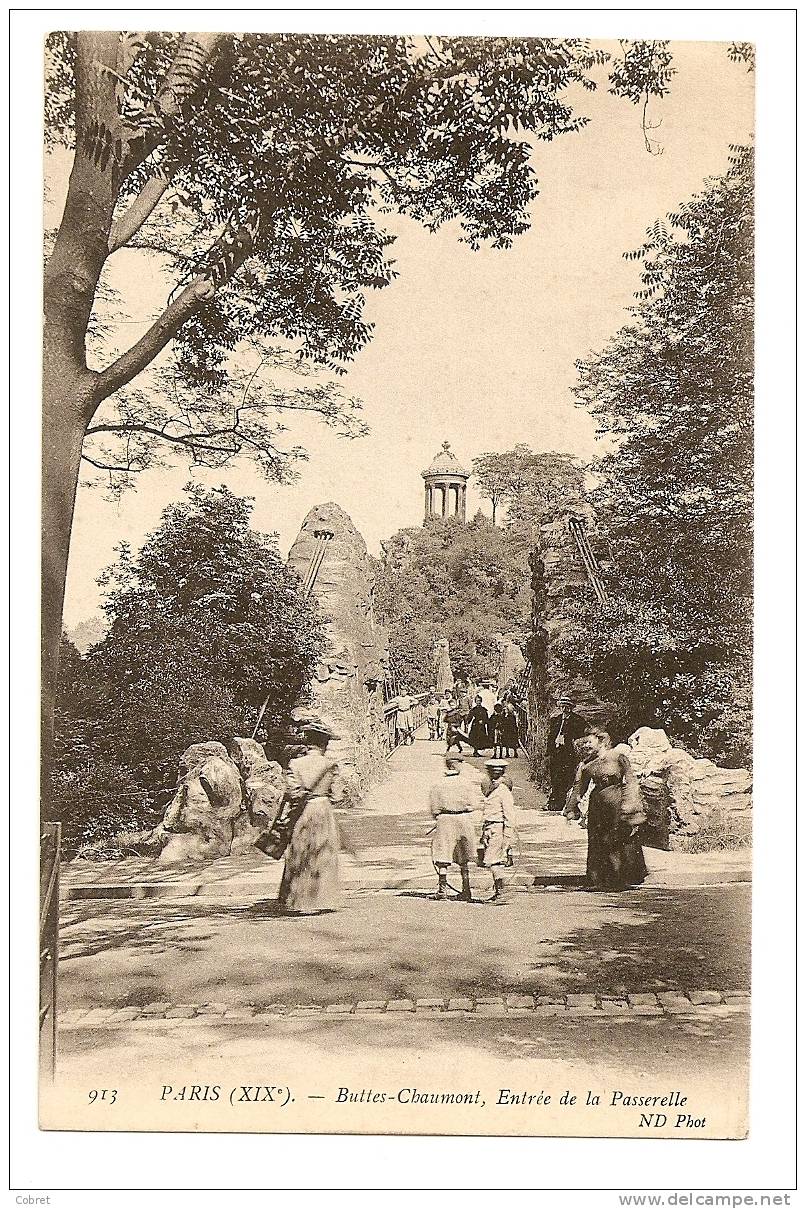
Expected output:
{"points": [[65, 398], [70, 391], [106, 150]]}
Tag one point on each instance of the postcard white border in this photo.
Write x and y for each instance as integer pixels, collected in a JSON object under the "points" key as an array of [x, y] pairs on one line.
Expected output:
{"points": [[44, 1161]]}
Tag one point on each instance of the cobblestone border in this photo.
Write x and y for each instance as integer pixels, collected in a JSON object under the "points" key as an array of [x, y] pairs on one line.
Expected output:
{"points": [[645, 1003]]}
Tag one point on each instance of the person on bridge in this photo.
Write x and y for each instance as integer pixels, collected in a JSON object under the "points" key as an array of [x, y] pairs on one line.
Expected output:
{"points": [[564, 729], [615, 813], [496, 730], [451, 720], [478, 736], [432, 715], [447, 704], [509, 731], [452, 801], [311, 872], [405, 716]]}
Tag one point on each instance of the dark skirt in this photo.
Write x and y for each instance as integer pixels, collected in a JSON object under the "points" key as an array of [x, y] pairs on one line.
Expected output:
{"points": [[478, 736], [615, 857], [508, 733]]}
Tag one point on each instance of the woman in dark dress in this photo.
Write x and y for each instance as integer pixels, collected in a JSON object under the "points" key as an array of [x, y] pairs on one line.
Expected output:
{"points": [[479, 719], [615, 855], [509, 731]]}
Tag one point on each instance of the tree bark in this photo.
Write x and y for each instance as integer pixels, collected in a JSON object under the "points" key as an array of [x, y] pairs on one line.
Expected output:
{"points": [[70, 397], [105, 151]]}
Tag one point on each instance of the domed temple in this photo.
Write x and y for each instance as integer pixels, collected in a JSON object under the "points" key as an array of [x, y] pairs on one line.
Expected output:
{"points": [[445, 485]]}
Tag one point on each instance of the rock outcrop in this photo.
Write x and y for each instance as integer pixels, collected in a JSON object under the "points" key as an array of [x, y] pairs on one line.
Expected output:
{"points": [[511, 661], [264, 786], [684, 794], [202, 820], [441, 663], [223, 801], [331, 558]]}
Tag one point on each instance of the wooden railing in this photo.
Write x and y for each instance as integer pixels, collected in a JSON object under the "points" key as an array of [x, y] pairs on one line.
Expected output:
{"points": [[49, 858], [391, 733]]}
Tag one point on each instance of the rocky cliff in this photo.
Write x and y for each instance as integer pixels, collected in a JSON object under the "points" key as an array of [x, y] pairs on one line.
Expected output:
{"points": [[331, 558]]}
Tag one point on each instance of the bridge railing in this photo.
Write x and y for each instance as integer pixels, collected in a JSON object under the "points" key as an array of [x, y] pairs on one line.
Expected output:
{"points": [[49, 860], [392, 735]]}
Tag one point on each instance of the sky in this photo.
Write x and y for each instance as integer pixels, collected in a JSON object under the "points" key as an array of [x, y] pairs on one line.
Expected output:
{"points": [[476, 348]]}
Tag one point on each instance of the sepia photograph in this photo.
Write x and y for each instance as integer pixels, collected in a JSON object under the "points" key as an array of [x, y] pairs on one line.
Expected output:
{"points": [[397, 584]]}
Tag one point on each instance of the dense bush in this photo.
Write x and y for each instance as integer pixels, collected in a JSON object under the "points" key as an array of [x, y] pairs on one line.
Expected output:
{"points": [[204, 625], [448, 579]]}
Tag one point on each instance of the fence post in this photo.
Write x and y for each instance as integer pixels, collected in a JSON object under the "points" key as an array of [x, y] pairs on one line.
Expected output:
{"points": [[49, 859]]}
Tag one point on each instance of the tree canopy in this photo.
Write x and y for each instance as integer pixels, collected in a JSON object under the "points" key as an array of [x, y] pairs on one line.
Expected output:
{"points": [[448, 579], [205, 624], [264, 163], [533, 486], [674, 389]]}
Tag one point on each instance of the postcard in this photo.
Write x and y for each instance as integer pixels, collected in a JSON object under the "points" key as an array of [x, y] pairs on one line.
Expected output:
{"points": [[397, 584]]}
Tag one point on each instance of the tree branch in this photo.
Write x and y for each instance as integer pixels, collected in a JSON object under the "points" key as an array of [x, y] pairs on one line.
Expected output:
{"points": [[132, 219], [141, 354], [130, 469], [179, 85], [187, 438]]}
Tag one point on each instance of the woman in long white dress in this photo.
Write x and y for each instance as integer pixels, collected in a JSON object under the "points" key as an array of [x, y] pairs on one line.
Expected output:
{"points": [[311, 872]]}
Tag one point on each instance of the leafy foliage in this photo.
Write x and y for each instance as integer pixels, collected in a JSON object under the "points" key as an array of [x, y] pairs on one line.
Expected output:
{"points": [[674, 388], [158, 418], [463, 582], [299, 139], [204, 625], [743, 52], [262, 164], [642, 71], [534, 486]]}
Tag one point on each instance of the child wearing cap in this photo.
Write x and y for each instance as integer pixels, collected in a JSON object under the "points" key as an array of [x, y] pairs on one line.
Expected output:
{"points": [[495, 849]]}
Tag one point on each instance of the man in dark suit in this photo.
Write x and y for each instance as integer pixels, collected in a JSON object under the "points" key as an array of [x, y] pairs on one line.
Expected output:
{"points": [[564, 728]]}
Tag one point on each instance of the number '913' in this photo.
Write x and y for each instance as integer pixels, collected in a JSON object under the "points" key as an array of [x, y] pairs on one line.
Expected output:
{"points": [[107, 1094]]}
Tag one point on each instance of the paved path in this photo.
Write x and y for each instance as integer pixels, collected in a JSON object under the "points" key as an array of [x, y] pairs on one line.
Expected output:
{"points": [[389, 838], [141, 941], [190, 973], [695, 1006]]}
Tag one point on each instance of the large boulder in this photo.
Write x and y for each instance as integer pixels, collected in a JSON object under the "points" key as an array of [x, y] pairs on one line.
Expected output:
{"points": [[201, 821], [682, 794], [264, 787]]}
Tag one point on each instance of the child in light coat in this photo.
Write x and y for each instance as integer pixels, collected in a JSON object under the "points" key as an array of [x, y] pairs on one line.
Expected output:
{"points": [[498, 814]]}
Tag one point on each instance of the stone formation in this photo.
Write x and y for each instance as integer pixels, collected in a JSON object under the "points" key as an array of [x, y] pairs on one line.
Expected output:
{"points": [[331, 558]]}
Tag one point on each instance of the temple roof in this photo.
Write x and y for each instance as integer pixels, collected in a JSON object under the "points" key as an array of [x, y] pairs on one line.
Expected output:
{"points": [[446, 462]]}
